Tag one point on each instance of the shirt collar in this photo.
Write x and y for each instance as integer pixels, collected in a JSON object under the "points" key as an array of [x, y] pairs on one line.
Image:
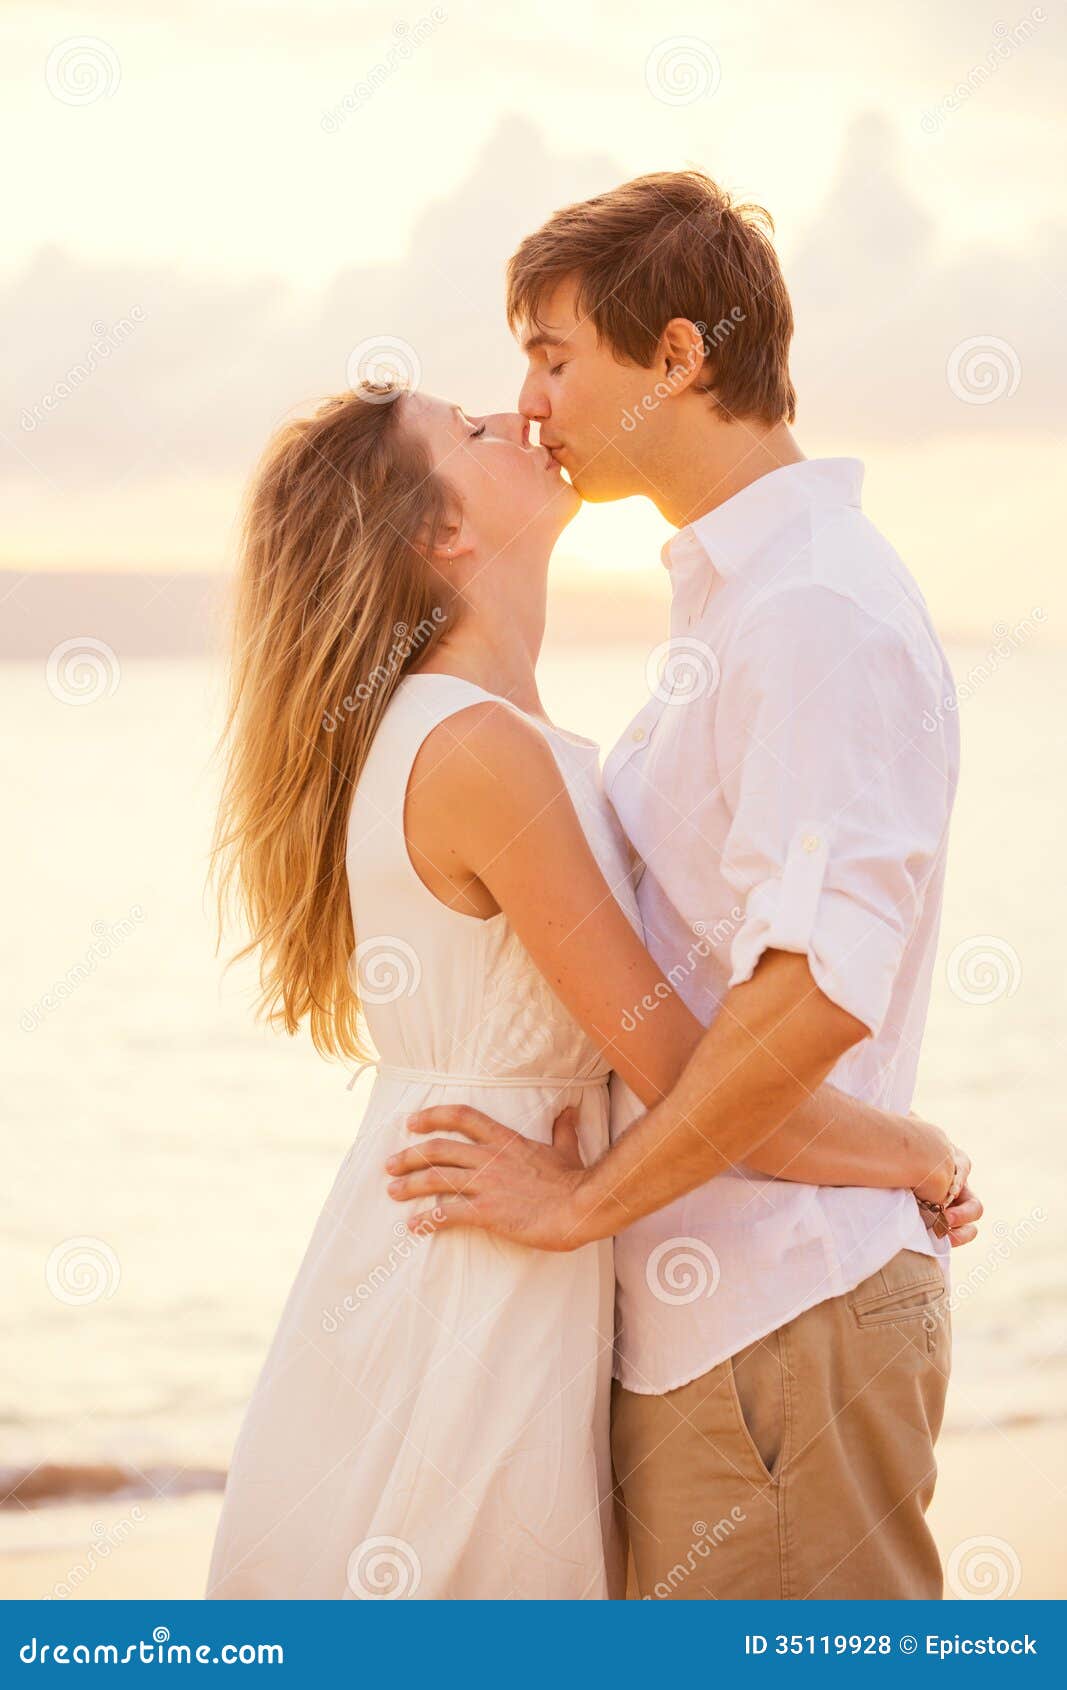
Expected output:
{"points": [[733, 532]]}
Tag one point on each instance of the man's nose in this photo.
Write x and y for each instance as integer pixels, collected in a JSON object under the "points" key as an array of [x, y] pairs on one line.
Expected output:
{"points": [[532, 403]]}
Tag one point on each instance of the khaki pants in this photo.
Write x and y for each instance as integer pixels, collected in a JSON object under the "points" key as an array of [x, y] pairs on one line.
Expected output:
{"points": [[803, 1466]]}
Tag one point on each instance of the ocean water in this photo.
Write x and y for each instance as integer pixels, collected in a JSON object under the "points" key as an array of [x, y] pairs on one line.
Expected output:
{"points": [[170, 1157]]}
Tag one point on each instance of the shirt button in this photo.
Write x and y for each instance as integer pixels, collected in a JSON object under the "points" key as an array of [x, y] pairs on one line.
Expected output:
{"points": [[639, 736], [811, 842]]}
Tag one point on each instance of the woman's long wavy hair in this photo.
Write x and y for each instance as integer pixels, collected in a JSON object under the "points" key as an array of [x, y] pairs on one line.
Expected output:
{"points": [[335, 602]]}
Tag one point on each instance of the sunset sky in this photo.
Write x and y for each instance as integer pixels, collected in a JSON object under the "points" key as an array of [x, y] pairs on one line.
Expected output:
{"points": [[209, 210]]}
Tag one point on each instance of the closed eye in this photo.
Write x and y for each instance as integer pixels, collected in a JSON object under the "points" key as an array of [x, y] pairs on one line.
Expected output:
{"points": [[477, 433], [554, 369]]}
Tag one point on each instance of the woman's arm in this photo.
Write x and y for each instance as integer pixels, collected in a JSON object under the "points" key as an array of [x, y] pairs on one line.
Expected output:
{"points": [[834, 1139], [483, 840]]}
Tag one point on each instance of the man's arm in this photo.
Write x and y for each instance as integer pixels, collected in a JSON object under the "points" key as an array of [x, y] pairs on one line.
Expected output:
{"points": [[774, 1040], [772, 1044], [838, 802]]}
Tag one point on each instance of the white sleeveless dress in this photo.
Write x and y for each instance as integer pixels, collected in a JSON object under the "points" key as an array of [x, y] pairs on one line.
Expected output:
{"points": [[432, 1420]]}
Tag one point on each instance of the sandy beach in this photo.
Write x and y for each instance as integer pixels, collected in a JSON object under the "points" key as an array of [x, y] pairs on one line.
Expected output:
{"points": [[997, 1516]]}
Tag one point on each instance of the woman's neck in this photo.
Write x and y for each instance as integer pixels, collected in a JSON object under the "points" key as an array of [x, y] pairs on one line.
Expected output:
{"points": [[496, 645]]}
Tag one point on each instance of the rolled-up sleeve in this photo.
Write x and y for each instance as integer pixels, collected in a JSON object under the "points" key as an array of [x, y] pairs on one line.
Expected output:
{"points": [[838, 794]]}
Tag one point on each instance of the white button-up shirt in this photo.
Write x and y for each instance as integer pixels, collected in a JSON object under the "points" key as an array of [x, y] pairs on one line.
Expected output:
{"points": [[788, 785]]}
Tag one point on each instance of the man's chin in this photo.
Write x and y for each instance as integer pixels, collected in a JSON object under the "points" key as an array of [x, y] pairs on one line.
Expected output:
{"points": [[590, 489], [591, 494]]}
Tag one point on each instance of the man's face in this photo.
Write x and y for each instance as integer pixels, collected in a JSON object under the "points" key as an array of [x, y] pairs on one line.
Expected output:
{"points": [[584, 399]]}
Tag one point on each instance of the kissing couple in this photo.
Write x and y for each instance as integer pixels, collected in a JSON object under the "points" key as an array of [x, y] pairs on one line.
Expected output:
{"points": [[637, 1247]]}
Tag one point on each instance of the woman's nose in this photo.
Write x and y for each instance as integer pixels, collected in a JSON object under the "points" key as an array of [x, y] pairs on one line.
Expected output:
{"points": [[510, 426]]}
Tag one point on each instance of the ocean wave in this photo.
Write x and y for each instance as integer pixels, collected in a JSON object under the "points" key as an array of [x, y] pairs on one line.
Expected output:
{"points": [[58, 1482]]}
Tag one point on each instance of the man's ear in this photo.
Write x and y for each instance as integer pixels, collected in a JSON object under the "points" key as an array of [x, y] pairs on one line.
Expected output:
{"points": [[682, 354]]}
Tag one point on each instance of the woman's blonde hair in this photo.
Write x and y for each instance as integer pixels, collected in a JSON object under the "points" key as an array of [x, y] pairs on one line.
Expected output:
{"points": [[335, 602]]}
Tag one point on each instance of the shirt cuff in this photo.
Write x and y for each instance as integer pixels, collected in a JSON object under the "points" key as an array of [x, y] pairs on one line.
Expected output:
{"points": [[853, 953]]}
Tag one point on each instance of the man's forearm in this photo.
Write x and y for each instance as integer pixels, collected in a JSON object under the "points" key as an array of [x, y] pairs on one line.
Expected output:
{"points": [[773, 1042]]}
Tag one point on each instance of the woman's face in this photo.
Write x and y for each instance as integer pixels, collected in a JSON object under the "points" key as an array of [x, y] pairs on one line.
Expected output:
{"points": [[511, 496]]}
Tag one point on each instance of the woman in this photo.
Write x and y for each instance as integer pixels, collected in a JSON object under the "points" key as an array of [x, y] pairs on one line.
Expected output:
{"points": [[432, 1418]]}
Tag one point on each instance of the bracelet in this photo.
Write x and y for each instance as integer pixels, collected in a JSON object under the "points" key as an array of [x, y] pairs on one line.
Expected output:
{"points": [[954, 1189]]}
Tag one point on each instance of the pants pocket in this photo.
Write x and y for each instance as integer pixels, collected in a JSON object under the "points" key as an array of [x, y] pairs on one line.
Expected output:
{"points": [[759, 1398], [909, 1288]]}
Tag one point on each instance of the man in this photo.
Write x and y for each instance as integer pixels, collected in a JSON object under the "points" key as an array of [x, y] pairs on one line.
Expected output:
{"points": [[782, 1349]]}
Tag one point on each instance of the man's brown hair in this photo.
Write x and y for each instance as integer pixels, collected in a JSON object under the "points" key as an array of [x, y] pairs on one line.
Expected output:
{"points": [[671, 245]]}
